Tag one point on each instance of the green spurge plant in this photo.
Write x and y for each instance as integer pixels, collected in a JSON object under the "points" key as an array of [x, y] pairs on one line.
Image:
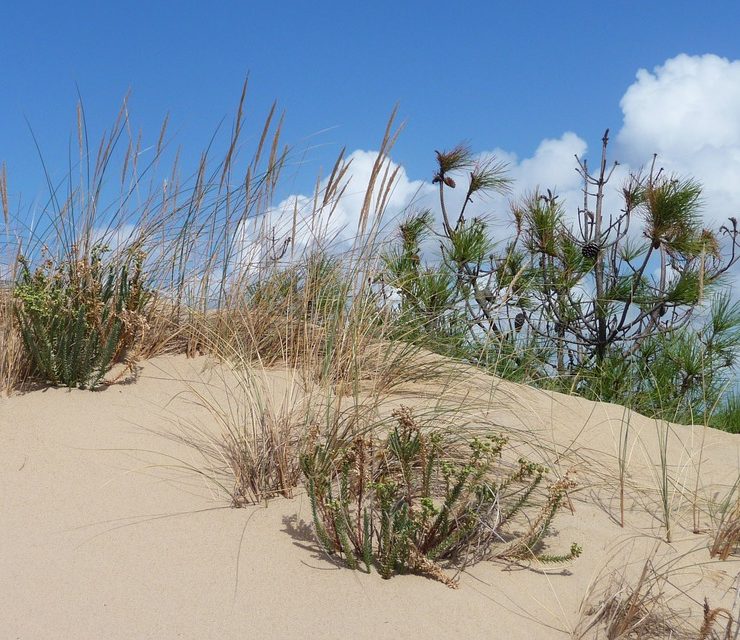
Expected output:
{"points": [[406, 503], [78, 316]]}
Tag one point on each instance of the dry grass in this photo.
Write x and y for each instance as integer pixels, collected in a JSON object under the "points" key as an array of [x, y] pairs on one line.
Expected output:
{"points": [[220, 259], [631, 607], [640, 610], [13, 364], [231, 276], [719, 618], [725, 539], [255, 412], [246, 434], [651, 604], [13, 360]]}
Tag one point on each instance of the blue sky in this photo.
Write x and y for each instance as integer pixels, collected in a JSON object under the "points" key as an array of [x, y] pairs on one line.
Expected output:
{"points": [[532, 82], [502, 75]]}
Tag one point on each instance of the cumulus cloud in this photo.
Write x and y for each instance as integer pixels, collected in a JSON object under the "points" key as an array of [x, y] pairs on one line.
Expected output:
{"points": [[344, 218], [552, 166], [686, 105], [337, 221], [688, 112]]}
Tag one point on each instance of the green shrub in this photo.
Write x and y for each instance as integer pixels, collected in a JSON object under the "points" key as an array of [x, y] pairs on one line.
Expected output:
{"points": [[588, 308], [406, 503], [78, 316]]}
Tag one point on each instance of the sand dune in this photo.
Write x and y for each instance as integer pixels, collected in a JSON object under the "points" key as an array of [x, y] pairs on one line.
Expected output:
{"points": [[104, 534]]}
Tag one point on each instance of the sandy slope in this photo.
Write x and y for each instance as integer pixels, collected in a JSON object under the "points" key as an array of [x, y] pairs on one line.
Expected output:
{"points": [[102, 536]]}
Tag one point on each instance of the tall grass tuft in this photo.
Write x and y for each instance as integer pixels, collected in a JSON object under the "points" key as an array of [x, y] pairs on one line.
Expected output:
{"points": [[247, 434], [13, 358], [651, 604]]}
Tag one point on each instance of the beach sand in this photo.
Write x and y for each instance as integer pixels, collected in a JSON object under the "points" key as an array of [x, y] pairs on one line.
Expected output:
{"points": [[106, 532]]}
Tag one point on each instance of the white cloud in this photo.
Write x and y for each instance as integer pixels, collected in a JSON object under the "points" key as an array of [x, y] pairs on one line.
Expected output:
{"points": [[404, 192], [687, 105], [339, 218], [552, 165], [688, 112]]}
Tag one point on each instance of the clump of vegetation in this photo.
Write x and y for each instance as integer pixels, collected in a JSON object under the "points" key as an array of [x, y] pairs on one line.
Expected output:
{"points": [[647, 606], [408, 502], [78, 315], [13, 361], [638, 609], [252, 453], [12, 353]]}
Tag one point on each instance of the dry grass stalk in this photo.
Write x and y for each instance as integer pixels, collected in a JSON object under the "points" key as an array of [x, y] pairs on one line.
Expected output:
{"points": [[726, 537], [714, 617], [13, 360], [630, 608], [4, 194], [656, 603]]}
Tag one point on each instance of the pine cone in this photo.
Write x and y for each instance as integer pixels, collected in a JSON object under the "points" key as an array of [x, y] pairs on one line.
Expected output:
{"points": [[519, 320], [590, 250]]}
